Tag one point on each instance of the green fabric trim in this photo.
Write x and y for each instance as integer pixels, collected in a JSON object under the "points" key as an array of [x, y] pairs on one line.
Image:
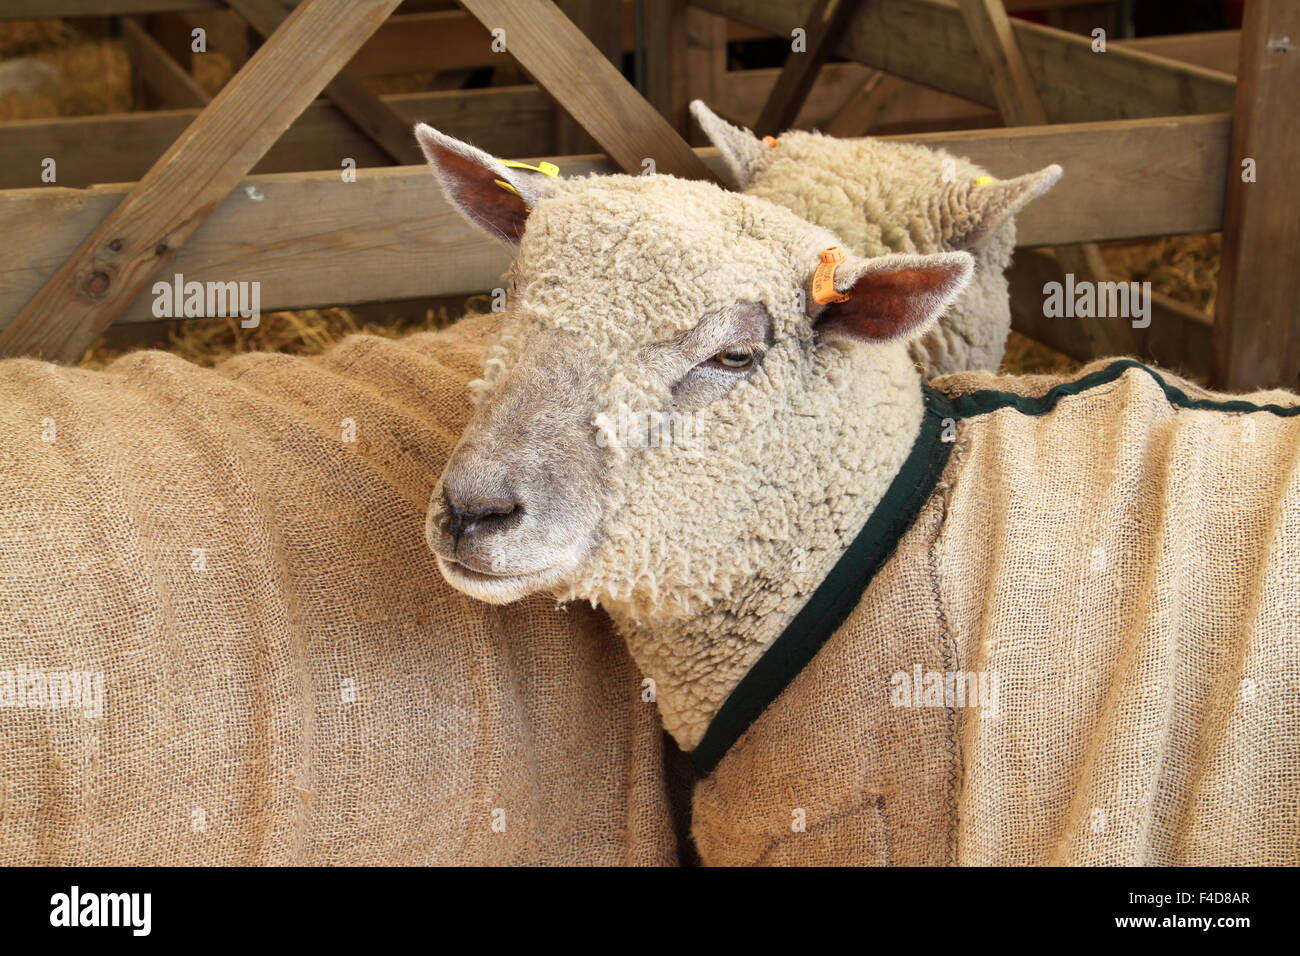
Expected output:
{"points": [[837, 596], [990, 400]]}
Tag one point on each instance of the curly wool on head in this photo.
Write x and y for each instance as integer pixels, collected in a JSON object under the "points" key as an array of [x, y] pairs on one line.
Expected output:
{"points": [[626, 289]]}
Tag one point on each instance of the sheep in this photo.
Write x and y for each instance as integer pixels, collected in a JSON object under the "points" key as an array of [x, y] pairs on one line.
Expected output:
{"points": [[223, 641], [881, 197], [836, 558]]}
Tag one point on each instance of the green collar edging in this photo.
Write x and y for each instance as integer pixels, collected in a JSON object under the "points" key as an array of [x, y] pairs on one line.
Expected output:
{"points": [[837, 596], [990, 400]]}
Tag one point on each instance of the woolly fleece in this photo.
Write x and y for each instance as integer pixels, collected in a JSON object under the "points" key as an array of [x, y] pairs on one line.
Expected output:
{"points": [[706, 551]]}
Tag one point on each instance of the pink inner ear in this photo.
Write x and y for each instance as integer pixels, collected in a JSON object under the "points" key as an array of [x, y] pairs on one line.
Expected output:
{"points": [[885, 306], [475, 190]]}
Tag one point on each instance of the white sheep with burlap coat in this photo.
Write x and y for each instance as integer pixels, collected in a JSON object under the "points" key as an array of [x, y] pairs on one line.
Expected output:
{"points": [[1108, 550]]}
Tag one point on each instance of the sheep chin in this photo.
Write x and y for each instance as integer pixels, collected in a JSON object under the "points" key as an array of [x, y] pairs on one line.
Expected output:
{"points": [[504, 589]]}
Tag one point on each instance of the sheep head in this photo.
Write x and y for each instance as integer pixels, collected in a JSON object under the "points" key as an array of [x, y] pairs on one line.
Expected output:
{"points": [[668, 409], [881, 196]]}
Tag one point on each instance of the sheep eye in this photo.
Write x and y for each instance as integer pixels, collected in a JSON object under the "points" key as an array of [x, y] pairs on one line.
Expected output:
{"points": [[737, 359]]}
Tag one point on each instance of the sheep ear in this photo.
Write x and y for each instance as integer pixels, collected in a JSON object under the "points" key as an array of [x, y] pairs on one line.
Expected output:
{"points": [[989, 204], [740, 148], [887, 298], [472, 180]]}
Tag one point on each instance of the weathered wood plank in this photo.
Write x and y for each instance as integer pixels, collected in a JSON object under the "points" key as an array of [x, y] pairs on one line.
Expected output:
{"points": [[1257, 314], [1020, 105], [705, 59], [1178, 337], [914, 105], [308, 238], [507, 121], [995, 43], [666, 82], [822, 31], [26, 9], [1216, 50], [119, 257], [30, 9], [861, 110], [313, 240], [910, 106], [925, 41], [588, 87], [1123, 179], [225, 32], [417, 42]]}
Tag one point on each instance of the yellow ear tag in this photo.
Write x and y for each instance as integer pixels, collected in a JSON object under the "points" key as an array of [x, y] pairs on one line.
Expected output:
{"points": [[546, 169], [824, 278], [983, 180]]}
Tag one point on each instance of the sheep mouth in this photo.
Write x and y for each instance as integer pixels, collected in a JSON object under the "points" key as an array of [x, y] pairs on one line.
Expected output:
{"points": [[482, 574], [500, 588]]}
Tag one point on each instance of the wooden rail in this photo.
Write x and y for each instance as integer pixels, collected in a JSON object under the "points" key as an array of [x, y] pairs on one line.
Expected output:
{"points": [[310, 239], [116, 259], [927, 42]]}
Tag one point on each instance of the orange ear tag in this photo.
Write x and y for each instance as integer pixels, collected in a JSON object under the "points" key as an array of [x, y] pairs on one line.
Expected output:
{"points": [[770, 140], [823, 286]]}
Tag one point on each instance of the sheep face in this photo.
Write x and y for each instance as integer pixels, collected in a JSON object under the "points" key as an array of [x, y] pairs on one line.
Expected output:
{"points": [[667, 407]]}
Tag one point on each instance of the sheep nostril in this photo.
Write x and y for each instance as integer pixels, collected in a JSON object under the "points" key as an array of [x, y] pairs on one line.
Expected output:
{"points": [[476, 515]]}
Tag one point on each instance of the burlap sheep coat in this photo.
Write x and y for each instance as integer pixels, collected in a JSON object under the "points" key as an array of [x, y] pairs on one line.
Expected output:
{"points": [[286, 677], [1116, 555]]}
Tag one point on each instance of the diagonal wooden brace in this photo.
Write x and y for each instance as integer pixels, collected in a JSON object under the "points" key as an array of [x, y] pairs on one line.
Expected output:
{"points": [[118, 260], [354, 100], [825, 25], [1020, 105], [588, 87]]}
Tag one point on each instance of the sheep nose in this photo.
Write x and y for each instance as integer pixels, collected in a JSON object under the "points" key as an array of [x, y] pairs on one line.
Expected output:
{"points": [[467, 517]]}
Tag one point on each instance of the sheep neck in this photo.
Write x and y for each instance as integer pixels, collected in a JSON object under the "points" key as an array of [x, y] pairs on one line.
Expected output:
{"points": [[697, 659]]}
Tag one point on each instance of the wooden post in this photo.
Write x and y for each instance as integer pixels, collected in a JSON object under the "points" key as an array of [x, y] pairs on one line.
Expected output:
{"points": [[706, 65], [666, 87], [117, 261], [1019, 103], [1257, 311], [826, 21], [586, 85]]}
